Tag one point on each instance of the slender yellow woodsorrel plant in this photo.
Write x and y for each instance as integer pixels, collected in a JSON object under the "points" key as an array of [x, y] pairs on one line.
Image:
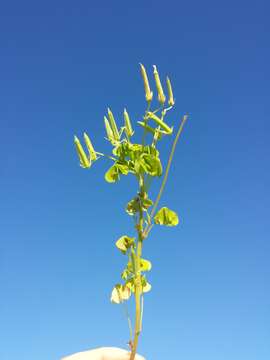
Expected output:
{"points": [[142, 161]]}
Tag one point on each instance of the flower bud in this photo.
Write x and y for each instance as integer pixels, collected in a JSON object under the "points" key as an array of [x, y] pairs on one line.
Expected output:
{"points": [[92, 153], [148, 92], [128, 127], [170, 92], [85, 162], [161, 96], [113, 126]]}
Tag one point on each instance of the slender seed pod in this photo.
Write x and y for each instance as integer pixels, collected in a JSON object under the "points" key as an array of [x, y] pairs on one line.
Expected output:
{"points": [[128, 127], [162, 124], [108, 129], [85, 162], [161, 96], [150, 129], [115, 131], [148, 92], [90, 147], [170, 92]]}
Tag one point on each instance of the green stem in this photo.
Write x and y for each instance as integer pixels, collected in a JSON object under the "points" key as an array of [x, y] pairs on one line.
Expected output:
{"points": [[107, 156], [138, 284], [141, 313], [144, 131], [128, 319]]}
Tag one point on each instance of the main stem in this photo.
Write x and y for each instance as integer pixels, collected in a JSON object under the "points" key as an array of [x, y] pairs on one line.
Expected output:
{"points": [[138, 284], [142, 233]]}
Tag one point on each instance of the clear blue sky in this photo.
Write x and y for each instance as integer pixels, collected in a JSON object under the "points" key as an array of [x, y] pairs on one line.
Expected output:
{"points": [[62, 63]]}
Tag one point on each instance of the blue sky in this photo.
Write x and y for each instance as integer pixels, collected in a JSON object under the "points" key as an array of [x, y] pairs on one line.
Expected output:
{"points": [[62, 63]]}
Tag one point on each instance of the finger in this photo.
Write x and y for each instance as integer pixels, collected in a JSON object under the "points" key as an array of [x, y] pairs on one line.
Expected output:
{"points": [[103, 353], [94, 354], [112, 353]]}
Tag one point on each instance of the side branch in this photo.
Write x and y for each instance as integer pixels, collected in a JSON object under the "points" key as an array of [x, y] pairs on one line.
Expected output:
{"points": [[148, 228]]}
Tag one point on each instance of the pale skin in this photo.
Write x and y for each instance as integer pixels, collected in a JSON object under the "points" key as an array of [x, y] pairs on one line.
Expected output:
{"points": [[103, 353]]}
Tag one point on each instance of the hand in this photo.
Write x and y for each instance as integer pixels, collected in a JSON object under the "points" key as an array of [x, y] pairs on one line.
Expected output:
{"points": [[104, 353]]}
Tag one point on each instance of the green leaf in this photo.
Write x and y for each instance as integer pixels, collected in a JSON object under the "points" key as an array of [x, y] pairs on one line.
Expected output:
{"points": [[147, 287], [112, 175], [145, 284], [137, 167], [130, 284], [133, 206], [125, 274], [151, 164], [145, 265], [149, 149], [166, 217], [124, 243], [146, 204], [134, 151], [121, 150], [122, 167], [120, 293]]}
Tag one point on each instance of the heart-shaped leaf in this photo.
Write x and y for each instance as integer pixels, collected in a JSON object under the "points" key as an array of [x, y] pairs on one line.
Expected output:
{"points": [[112, 175], [120, 293], [124, 243], [166, 217]]}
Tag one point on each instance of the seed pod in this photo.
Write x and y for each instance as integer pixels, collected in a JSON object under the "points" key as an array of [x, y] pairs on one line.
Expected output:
{"points": [[90, 147], [162, 124], [85, 162], [170, 92], [114, 128], [148, 92], [108, 129], [161, 96], [128, 127]]}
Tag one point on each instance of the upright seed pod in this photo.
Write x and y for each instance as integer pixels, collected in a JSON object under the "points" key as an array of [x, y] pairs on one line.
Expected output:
{"points": [[85, 162], [161, 96], [90, 147], [128, 127], [108, 129], [170, 92], [115, 131], [148, 92]]}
